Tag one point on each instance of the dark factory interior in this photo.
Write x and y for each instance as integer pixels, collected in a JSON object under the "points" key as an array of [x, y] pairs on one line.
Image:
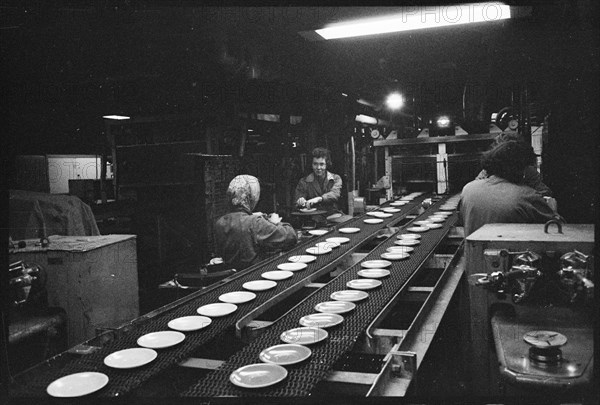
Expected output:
{"points": [[126, 120]]}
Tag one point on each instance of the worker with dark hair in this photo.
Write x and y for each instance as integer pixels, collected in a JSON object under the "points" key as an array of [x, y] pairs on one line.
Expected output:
{"points": [[243, 239], [501, 197], [321, 188], [531, 176]]}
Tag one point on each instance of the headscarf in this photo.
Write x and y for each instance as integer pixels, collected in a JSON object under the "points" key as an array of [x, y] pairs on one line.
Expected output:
{"points": [[244, 192]]}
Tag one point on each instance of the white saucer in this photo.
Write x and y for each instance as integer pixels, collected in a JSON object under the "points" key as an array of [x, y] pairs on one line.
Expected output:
{"points": [[130, 358], [434, 226], [285, 354], [277, 275], [258, 375], [302, 259], [395, 256], [421, 223], [349, 295], [407, 242], [307, 209], [304, 335], [409, 236], [398, 203], [400, 249], [318, 232], [335, 307], [321, 320], [217, 309], [363, 284], [161, 340], [326, 244], [435, 219], [339, 240], [349, 230], [442, 213], [375, 264], [189, 323], [417, 229], [373, 221], [77, 385], [390, 210], [259, 285], [373, 273], [318, 250], [292, 266], [237, 297]]}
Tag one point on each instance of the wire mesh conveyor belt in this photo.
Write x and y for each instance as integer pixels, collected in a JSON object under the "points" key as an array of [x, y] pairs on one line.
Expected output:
{"points": [[303, 377], [35, 381]]}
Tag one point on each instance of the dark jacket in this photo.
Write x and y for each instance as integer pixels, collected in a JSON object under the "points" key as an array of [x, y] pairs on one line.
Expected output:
{"points": [[309, 187]]}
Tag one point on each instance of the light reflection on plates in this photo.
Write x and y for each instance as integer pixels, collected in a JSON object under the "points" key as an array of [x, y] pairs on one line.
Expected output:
{"points": [[258, 375], [277, 275], [130, 358], [285, 354], [335, 307], [373, 273], [363, 284], [161, 339], [292, 266], [302, 259], [304, 335], [259, 285], [322, 320], [189, 323], [349, 295], [237, 297]]}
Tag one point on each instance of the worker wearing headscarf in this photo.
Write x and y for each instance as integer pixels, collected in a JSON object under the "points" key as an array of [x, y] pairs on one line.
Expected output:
{"points": [[243, 239]]}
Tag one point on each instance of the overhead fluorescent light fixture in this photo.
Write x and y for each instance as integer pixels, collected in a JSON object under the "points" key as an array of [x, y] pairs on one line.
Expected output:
{"points": [[416, 18], [116, 117]]}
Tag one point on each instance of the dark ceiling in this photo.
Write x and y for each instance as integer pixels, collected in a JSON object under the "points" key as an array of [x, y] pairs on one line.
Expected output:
{"points": [[76, 60]]}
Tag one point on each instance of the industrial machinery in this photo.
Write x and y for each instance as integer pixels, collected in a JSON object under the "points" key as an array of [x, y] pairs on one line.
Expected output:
{"points": [[531, 322]]}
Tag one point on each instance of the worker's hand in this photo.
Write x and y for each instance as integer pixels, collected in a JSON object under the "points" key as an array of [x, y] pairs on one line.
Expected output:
{"points": [[301, 202], [274, 218], [313, 201], [552, 203]]}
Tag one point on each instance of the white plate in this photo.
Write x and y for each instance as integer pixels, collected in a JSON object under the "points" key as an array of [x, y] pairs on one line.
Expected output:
{"points": [[338, 239], [379, 214], [160, 340], [436, 218], [292, 266], [390, 210], [349, 295], [399, 203], [373, 273], [326, 244], [417, 229], [318, 250], [318, 232], [335, 307], [375, 264], [285, 354], [258, 375], [259, 285], [395, 256], [407, 198], [302, 259], [349, 230], [400, 249], [442, 213], [217, 309], [304, 335], [373, 221], [237, 297], [447, 208], [277, 275], [407, 242], [421, 223], [409, 236], [363, 284], [130, 358], [434, 226], [307, 209], [545, 338], [77, 385], [189, 323], [321, 320]]}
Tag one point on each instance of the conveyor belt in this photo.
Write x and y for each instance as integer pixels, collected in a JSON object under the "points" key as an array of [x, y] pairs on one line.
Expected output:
{"points": [[302, 378], [34, 382]]}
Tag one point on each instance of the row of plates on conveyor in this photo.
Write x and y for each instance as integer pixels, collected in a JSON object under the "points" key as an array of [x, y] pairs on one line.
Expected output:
{"points": [[180, 344], [299, 350]]}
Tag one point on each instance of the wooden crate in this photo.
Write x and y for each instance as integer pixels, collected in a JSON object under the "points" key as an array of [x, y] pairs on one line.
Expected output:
{"points": [[93, 278]]}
